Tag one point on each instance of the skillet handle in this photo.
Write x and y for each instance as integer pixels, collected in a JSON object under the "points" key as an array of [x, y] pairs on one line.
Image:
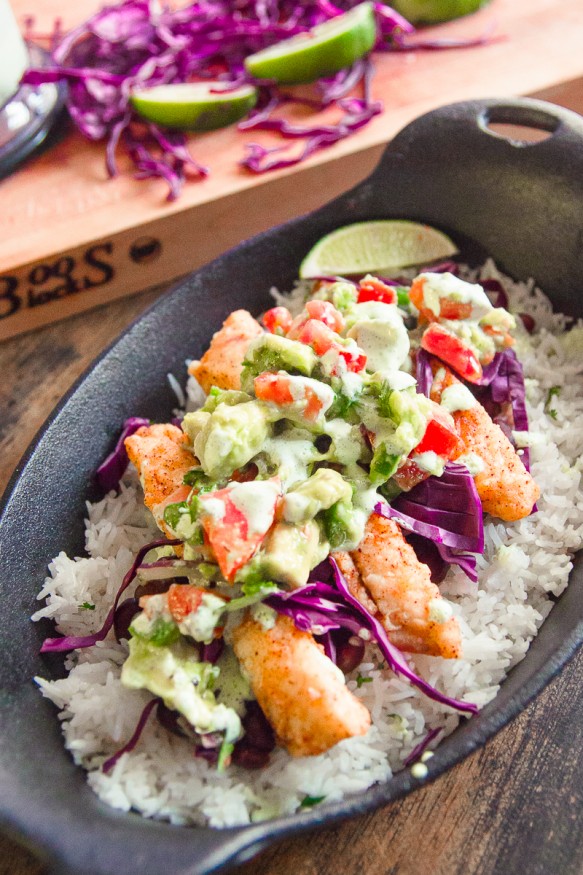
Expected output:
{"points": [[520, 202], [459, 128]]}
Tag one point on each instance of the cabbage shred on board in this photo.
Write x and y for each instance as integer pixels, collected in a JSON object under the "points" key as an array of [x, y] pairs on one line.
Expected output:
{"points": [[137, 44]]}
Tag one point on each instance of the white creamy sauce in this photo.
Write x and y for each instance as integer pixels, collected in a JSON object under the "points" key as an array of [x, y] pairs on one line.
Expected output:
{"points": [[430, 462], [379, 331], [457, 397], [256, 501], [214, 507], [200, 624], [473, 463], [346, 439], [446, 285], [440, 610], [292, 455]]}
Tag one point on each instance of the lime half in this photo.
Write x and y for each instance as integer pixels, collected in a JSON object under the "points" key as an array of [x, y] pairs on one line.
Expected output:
{"points": [[430, 11], [195, 106], [327, 48], [381, 247]]}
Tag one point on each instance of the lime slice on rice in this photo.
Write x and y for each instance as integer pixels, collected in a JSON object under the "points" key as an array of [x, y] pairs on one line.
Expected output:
{"points": [[430, 11], [381, 247], [327, 48], [194, 106]]}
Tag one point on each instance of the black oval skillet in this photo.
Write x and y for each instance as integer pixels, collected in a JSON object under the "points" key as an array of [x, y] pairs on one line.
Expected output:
{"points": [[523, 204]]}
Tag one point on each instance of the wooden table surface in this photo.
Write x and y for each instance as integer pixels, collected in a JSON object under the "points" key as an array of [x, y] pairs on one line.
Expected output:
{"points": [[515, 806]]}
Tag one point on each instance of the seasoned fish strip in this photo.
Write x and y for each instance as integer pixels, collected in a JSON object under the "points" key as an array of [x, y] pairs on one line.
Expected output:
{"points": [[160, 455], [300, 690], [411, 607], [346, 565], [222, 362], [506, 489]]}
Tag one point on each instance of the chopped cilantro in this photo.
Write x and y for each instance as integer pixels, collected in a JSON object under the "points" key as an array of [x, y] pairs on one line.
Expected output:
{"points": [[161, 634], [360, 680], [341, 406], [310, 801], [225, 755], [402, 296], [383, 465], [86, 606], [553, 392], [197, 478]]}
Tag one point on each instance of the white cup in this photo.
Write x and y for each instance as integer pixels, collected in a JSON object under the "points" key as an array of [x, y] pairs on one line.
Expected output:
{"points": [[13, 53]]}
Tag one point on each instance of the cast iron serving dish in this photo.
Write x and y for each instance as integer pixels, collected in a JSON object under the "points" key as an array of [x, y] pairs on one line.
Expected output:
{"points": [[523, 204]]}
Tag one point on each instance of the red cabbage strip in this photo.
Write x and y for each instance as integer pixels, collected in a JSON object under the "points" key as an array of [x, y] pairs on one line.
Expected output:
{"points": [[338, 607], [423, 372], [72, 642], [445, 509], [422, 746], [357, 114], [129, 746], [113, 466], [402, 44], [496, 292], [466, 561], [394, 657]]}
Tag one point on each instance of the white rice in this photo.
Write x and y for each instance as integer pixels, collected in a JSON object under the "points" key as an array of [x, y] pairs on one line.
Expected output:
{"points": [[524, 564]]}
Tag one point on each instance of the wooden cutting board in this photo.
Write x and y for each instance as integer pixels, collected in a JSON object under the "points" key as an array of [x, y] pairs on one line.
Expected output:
{"points": [[70, 238]]}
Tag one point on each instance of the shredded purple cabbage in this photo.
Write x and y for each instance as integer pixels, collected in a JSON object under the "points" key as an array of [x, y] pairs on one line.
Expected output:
{"points": [[444, 509], [423, 372], [335, 607], [420, 749], [130, 745], [72, 642], [135, 44], [113, 467]]}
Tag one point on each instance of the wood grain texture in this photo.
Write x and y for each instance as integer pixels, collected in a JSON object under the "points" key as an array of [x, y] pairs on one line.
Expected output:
{"points": [[63, 199], [514, 807]]}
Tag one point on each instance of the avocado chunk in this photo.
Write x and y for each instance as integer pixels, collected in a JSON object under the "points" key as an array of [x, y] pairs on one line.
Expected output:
{"points": [[291, 551], [231, 436], [319, 492], [270, 352]]}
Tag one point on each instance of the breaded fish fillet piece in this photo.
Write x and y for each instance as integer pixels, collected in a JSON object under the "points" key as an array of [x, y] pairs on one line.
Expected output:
{"points": [[160, 455], [507, 490], [301, 692], [222, 362], [385, 570]]}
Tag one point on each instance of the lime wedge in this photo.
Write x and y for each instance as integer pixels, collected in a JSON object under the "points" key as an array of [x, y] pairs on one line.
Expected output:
{"points": [[430, 11], [194, 106], [381, 247], [327, 48]]}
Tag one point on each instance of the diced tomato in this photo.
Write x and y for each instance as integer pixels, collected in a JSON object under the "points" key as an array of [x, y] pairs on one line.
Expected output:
{"points": [[184, 599], [327, 313], [440, 435], [450, 349], [373, 289], [503, 336], [274, 388], [448, 309], [231, 538], [278, 388], [454, 309], [409, 475], [322, 339], [278, 320]]}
